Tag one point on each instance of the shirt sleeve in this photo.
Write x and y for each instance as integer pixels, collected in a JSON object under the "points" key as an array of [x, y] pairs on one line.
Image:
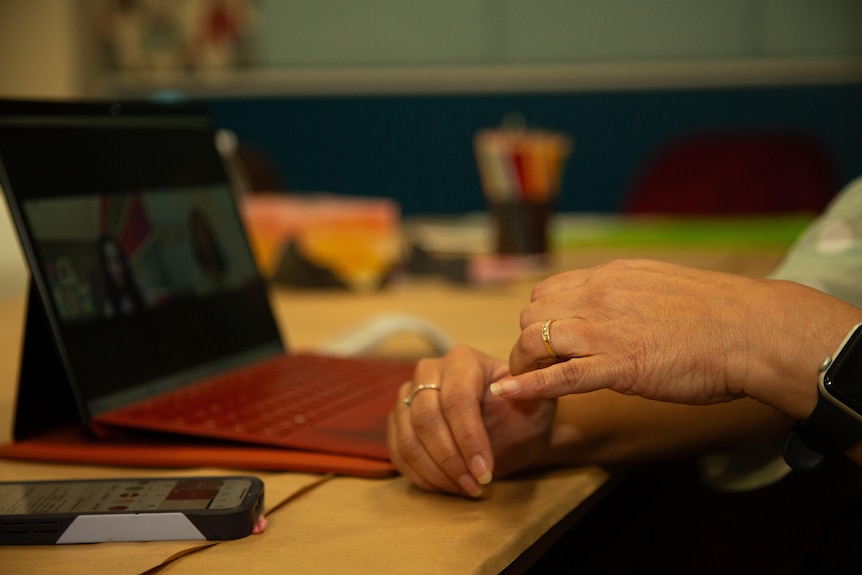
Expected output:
{"points": [[828, 254]]}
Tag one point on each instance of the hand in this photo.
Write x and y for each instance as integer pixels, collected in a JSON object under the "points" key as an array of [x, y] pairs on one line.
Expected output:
{"points": [[676, 334], [454, 439]]}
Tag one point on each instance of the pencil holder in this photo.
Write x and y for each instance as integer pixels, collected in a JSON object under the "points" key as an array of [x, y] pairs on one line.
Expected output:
{"points": [[521, 173], [520, 227]]}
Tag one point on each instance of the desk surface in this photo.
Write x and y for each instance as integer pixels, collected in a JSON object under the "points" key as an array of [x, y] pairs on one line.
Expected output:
{"points": [[321, 524]]}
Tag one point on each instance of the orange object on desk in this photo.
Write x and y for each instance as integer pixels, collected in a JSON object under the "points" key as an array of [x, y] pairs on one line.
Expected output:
{"points": [[357, 239]]}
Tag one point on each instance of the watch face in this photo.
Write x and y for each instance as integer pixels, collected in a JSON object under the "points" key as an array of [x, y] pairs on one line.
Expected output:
{"points": [[843, 379]]}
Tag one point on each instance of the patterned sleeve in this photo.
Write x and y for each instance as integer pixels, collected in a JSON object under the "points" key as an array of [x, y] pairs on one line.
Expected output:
{"points": [[828, 254]]}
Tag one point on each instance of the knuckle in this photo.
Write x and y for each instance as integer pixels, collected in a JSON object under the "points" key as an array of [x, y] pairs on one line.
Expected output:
{"points": [[540, 288], [519, 347], [624, 263], [524, 318], [542, 384], [571, 370], [424, 421], [426, 365], [404, 390], [555, 380], [451, 460], [532, 341], [409, 451], [459, 349]]}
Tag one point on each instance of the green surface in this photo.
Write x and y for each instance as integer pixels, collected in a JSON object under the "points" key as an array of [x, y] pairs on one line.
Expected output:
{"points": [[757, 231]]}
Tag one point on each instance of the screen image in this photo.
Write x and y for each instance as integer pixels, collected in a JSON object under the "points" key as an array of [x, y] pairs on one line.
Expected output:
{"points": [[116, 254]]}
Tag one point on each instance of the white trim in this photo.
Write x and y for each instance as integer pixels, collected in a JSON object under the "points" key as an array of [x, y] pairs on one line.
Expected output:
{"points": [[475, 79], [172, 526]]}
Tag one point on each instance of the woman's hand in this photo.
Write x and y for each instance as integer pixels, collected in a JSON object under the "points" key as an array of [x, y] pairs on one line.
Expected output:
{"points": [[455, 435], [677, 334]]}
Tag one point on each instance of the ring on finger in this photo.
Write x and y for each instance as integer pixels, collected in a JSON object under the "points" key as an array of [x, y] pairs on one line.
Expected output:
{"points": [[546, 339], [409, 399]]}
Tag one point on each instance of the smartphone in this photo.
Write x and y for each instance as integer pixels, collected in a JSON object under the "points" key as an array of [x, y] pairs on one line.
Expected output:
{"points": [[137, 509]]}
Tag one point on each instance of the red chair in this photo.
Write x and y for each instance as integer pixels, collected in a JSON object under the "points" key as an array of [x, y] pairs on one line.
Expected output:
{"points": [[736, 173]]}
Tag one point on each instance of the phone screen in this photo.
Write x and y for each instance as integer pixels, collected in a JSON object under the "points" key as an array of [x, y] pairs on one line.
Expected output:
{"points": [[122, 495]]}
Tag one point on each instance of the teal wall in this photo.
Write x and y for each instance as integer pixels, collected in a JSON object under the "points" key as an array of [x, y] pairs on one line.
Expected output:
{"points": [[418, 149]]}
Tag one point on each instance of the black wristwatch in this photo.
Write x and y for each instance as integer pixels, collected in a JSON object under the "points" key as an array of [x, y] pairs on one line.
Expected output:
{"points": [[836, 422]]}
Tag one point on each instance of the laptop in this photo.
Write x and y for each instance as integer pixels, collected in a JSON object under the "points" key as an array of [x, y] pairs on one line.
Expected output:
{"points": [[149, 327]]}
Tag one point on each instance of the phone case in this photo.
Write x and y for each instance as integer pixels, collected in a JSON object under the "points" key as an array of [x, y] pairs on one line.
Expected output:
{"points": [[25, 522]]}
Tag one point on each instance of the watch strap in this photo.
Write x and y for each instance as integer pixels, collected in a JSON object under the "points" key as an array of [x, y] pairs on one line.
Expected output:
{"points": [[829, 430]]}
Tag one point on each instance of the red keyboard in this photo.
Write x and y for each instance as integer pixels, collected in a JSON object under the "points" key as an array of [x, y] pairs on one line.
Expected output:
{"points": [[269, 400]]}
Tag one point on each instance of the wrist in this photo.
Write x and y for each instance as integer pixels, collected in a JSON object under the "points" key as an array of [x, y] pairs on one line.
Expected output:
{"points": [[835, 423], [779, 346]]}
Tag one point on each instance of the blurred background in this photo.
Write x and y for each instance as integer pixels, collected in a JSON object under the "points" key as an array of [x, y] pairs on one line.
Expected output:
{"points": [[382, 97]]}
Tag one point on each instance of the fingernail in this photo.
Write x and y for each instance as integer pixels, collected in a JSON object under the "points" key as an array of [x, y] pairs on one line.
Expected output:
{"points": [[506, 387], [480, 470], [468, 484]]}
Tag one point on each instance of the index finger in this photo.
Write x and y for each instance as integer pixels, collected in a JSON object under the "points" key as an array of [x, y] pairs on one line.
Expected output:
{"points": [[576, 375]]}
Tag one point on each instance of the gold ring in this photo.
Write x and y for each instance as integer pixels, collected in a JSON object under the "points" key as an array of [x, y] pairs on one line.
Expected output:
{"points": [[409, 399], [546, 339]]}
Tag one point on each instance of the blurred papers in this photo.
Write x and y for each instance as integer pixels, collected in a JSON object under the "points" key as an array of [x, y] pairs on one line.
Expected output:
{"points": [[356, 240]]}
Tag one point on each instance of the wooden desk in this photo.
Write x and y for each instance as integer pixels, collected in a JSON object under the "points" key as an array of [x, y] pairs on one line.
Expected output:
{"points": [[348, 525]]}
